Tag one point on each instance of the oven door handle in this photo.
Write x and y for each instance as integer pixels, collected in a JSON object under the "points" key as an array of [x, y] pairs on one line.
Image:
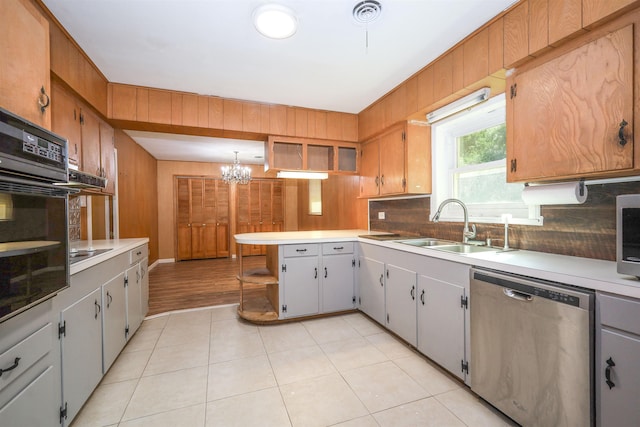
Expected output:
{"points": [[520, 296], [21, 185]]}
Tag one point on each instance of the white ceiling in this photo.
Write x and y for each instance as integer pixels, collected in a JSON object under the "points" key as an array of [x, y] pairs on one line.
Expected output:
{"points": [[210, 47]]}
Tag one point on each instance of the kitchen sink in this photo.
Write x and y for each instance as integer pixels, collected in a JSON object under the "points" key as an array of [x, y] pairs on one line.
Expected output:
{"points": [[426, 242], [461, 248]]}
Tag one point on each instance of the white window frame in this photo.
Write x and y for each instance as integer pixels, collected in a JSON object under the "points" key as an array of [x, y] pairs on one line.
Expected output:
{"points": [[443, 136]]}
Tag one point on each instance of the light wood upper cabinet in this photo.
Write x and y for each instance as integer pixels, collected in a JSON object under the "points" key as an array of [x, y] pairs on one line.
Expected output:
{"points": [[25, 87], [595, 10], [304, 154], [567, 115], [565, 19], [108, 156], [397, 162], [516, 35], [65, 121]]}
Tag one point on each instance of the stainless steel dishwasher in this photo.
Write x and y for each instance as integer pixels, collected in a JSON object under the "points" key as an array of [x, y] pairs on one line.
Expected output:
{"points": [[532, 348]]}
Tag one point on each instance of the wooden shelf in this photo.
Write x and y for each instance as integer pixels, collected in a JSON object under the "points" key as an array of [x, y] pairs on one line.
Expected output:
{"points": [[259, 276], [259, 309]]}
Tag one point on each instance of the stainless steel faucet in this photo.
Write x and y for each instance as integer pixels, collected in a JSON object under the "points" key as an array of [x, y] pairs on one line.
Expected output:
{"points": [[466, 234]]}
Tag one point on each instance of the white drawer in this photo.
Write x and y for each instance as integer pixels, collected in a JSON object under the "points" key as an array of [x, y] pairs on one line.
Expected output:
{"points": [[138, 254], [620, 312], [337, 248], [300, 250], [29, 351]]}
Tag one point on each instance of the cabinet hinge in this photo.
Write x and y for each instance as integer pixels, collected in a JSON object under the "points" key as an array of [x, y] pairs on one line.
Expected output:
{"points": [[387, 317], [464, 302], [514, 165], [284, 308], [513, 90], [126, 331], [284, 268], [359, 301], [353, 300], [126, 281], [353, 262], [464, 366], [404, 136], [358, 263], [62, 329], [63, 412], [387, 273], [404, 183]]}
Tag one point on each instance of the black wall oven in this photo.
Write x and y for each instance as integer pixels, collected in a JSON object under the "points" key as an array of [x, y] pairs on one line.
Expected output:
{"points": [[34, 260]]}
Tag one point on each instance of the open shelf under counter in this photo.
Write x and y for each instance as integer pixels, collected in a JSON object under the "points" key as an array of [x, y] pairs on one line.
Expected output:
{"points": [[259, 308]]}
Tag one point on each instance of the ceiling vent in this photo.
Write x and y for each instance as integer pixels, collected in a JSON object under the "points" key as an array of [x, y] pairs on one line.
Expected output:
{"points": [[367, 11]]}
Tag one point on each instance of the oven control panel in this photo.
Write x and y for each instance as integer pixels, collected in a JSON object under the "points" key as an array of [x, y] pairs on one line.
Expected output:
{"points": [[41, 147]]}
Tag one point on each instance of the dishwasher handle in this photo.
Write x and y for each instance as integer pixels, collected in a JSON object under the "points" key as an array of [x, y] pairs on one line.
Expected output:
{"points": [[520, 296]]}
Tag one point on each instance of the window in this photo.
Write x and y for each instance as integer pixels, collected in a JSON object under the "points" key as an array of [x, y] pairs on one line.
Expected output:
{"points": [[315, 197], [469, 152]]}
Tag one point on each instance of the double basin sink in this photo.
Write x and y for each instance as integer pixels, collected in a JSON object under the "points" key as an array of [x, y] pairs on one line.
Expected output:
{"points": [[449, 246]]}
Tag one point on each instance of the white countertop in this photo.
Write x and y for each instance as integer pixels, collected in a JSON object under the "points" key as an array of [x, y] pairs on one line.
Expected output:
{"points": [[585, 272], [117, 247]]}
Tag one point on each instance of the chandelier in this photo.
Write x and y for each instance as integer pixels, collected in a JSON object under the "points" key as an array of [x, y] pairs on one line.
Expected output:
{"points": [[235, 173]]}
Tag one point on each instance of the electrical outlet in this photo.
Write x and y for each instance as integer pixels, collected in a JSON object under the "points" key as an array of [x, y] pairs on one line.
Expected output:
{"points": [[381, 215]]}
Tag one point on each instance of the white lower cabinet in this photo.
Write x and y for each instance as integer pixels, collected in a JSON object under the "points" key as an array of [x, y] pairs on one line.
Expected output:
{"points": [[114, 320], [133, 280], [371, 288], [421, 299], [617, 361], [401, 289], [81, 346], [316, 278], [26, 409], [441, 323]]}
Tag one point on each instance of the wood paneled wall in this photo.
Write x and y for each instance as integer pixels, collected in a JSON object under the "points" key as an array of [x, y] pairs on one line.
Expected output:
{"points": [[587, 230], [341, 209], [137, 192]]}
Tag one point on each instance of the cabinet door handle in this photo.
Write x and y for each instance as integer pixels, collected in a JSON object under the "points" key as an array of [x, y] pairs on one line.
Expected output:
{"points": [[12, 367], [325, 272], [382, 180], [97, 307], [109, 299], [315, 275], [382, 280], [377, 181], [622, 140], [422, 297], [413, 293], [43, 100], [607, 373]]}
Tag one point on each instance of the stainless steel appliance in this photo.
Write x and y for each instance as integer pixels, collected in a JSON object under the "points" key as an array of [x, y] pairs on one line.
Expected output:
{"points": [[532, 348], [34, 260], [628, 234]]}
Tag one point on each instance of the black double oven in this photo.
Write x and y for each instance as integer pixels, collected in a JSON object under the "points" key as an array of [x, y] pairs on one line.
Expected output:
{"points": [[34, 245]]}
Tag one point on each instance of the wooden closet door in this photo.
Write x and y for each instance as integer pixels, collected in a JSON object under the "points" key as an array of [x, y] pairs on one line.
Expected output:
{"points": [[209, 222], [254, 209], [222, 219], [183, 219], [196, 189], [277, 206]]}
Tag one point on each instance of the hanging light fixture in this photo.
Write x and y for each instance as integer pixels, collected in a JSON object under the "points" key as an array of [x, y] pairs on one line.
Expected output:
{"points": [[235, 173]]}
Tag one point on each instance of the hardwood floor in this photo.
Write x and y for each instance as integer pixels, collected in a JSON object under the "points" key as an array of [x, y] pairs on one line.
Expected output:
{"points": [[199, 283]]}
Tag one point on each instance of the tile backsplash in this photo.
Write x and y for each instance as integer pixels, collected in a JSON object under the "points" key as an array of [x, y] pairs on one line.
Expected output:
{"points": [[74, 218]]}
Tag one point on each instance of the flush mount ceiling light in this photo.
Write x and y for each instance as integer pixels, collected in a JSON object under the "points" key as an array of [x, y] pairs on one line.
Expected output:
{"points": [[235, 173], [275, 21]]}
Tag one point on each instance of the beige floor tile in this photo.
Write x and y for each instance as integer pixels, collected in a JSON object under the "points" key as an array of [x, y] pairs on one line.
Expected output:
{"points": [[155, 322], [263, 408], [288, 336], [223, 349], [191, 416], [362, 324], [431, 378], [367, 421], [225, 312], [424, 413], [330, 329], [300, 364], [239, 376], [106, 405], [143, 339], [389, 345], [231, 328], [353, 353], [321, 401], [165, 392], [473, 411], [191, 317], [383, 386], [184, 333], [128, 366], [177, 357]]}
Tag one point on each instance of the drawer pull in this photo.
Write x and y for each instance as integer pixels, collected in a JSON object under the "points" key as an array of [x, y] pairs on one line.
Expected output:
{"points": [[607, 373], [339, 248], [301, 250], [140, 252], [12, 367]]}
